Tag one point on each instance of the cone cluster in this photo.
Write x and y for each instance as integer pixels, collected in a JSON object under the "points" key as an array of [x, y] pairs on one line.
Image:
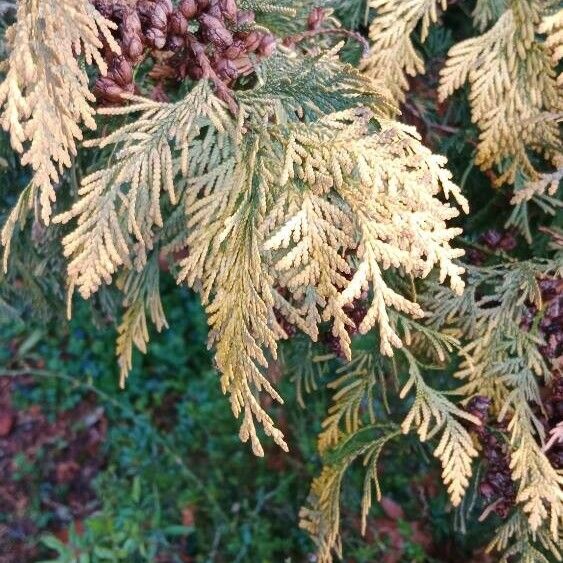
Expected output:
{"points": [[496, 486], [197, 39]]}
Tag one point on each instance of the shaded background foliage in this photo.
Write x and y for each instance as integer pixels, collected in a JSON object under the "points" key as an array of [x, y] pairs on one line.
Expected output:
{"points": [[156, 472]]}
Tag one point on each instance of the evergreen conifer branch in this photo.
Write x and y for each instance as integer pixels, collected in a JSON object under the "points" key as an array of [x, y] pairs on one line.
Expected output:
{"points": [[393, 56], [349, 431], [515, 100], [119, 206], [514, 95], [277, 207], [353, 389], [44, 97], [290, 198], [552, 26], [503, 362], [320, 517], [141, 296], [432, 413], [514, 538]]}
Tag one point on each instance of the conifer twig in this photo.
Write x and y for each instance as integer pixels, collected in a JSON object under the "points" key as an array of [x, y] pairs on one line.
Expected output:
{"points": [[298, 37]]}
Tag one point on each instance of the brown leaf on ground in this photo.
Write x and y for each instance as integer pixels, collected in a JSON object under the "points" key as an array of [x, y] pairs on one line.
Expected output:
{"points": [[66, 471], [188, 515], [63, 533], [7, 419], [70, 451]]}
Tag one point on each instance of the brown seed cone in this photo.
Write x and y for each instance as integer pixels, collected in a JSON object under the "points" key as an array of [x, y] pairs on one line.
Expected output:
{"points": [[215, 32], [253, 41], [132, 47], [166, 5], [107, 90], [229, 9], [235, 50], [267, 45], [131, 23], [479, 406], [155, 38], [159, 17], [225, 69], [188, 8], [175, 43], [244, 65], [105, 7], [121, 71], [219, 51], [178, 24], [145, 9], [214, 9]]}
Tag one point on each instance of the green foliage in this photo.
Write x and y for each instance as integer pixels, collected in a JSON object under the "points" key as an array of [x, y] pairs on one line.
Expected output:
{"points": [[153, 473]]}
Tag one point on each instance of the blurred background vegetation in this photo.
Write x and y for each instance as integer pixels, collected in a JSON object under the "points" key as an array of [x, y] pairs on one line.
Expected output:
{"points": [[157, 472]]}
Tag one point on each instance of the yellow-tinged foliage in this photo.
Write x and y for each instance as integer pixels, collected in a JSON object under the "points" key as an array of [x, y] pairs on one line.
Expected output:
{"points": [[299, 204], [267, 205], [432, 413], [44, 97], [308, 199], [513, 91], [502, 360], [393, 56], [552, 26], [351, 431], [515, 539], [515, 96], [119, 207], [321, 516]]}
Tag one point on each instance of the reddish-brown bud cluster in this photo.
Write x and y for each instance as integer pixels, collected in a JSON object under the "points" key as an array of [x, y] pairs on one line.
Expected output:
{"points": [[550, 326], [289, 328], [496, 486], [356, 312], [497, 483], [479, 407], [492, 240], [198, 39], [553, 404], [496, 240], [333, 344]]}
